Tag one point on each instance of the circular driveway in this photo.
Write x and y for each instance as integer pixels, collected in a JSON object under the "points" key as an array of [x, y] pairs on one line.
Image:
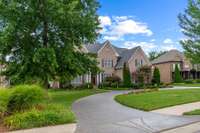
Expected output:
{"points": [[101, 114]]}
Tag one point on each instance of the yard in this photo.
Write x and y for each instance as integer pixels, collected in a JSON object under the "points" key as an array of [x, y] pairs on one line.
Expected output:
{"points": [[54, 109], [159, 99], [194, 112], [187, 85]]}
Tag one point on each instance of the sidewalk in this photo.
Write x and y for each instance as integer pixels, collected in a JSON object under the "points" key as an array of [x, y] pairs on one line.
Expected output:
{"points": [[68, 128], [192, 128], [178, 109]]}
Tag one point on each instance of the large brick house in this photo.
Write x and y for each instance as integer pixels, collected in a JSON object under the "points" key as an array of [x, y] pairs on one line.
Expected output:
{"points": [[166, 64], [111, 61]]}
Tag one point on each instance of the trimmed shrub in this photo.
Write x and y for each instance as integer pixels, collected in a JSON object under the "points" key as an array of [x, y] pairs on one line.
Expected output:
{"points": [[114, 85], [113, 79], [126, 76], [53, 114], [189, 81], [197, 80], [177, 75], [156, 76], [24, 97]]}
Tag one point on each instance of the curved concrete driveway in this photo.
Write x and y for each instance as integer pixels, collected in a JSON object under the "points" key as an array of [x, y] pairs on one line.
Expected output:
{"points": [[101, 114]]}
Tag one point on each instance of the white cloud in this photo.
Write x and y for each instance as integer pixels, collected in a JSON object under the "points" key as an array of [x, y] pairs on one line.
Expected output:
{"points": [[113, 38], [168, 41], [130, 27], [120, 26], [105, 21], [168, 47], [152, 40], [146, 46]]}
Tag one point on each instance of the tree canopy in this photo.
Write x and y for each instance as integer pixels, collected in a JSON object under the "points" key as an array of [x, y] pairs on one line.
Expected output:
{"points": [[42, 39], [190, 24]]}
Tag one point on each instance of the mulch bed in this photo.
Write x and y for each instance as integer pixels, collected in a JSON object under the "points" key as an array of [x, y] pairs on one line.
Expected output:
{"points": [[3, 129]]}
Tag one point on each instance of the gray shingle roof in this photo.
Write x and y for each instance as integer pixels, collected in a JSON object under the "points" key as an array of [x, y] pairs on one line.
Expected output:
{"points": [[93, 48], [170, 56], [124, 54]]}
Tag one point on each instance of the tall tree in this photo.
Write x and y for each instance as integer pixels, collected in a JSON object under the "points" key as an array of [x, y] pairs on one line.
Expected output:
{"points": [[126, 76], [41, 39], [153, 54], [190, 24], [177, 75]]}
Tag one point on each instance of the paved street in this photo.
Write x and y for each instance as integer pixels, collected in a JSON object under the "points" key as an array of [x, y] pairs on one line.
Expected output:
{"points": [[101, 114]]}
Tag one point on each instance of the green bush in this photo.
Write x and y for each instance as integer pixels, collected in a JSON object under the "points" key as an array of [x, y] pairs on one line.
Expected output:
{"points": [[88, 86], [189, 81], [4, 98], [177, 75], [126, 76], [114, 85], [113, 79], [24, 97], [156, 76], [106, 84], [51, 115], [197, 80]]}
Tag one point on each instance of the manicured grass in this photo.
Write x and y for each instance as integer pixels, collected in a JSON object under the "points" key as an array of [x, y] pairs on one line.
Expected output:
{"points": [[160, 99], [66, 98], [194, 112], [187, 85]]}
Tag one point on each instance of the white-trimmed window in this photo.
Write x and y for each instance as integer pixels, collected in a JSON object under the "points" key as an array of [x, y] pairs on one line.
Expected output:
{"points": [[107, 63]]}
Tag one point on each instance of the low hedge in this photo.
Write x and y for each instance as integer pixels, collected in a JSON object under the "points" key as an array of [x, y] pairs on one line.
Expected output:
{"points": [[50, 115]]}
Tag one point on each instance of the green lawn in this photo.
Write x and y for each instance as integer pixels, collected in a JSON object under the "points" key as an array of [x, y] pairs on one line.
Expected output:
{"points": [[194, 112], [66, 98], [160, 99], [187, 85]]}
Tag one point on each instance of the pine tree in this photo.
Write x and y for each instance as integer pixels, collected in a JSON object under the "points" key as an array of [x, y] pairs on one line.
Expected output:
{"points": [[177, 75], [126, 76], [156, 76], [190, 24]]}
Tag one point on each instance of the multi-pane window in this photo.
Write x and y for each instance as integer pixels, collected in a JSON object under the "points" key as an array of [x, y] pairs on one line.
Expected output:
{"points": [[107, 63]]}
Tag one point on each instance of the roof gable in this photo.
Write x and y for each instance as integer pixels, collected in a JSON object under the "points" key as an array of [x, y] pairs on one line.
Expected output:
{"points": [[170, 56]]}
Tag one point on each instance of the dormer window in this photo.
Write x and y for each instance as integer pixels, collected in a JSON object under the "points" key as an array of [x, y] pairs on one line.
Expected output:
{"points": [[107, 63]]}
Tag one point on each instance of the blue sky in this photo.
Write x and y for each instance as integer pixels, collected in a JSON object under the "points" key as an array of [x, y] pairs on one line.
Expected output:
{"points": [[152, 24]]}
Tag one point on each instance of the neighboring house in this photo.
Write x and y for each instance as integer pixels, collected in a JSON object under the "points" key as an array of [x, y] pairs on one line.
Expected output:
{"points": [[166, 64], [111, 61]]}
